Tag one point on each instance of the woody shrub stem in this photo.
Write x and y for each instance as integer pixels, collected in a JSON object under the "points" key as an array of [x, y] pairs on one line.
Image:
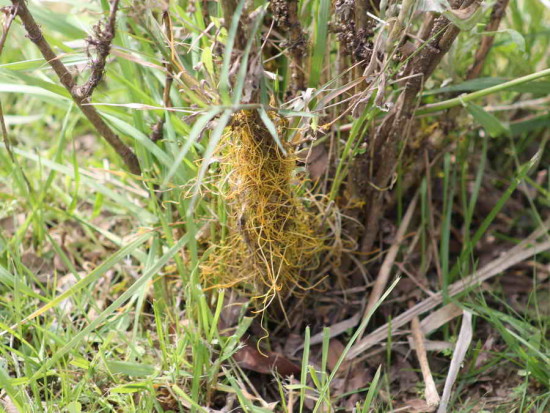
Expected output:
{"points": [[67, 80]]}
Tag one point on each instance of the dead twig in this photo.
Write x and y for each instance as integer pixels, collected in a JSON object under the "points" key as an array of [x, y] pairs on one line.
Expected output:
{"points": [[385, 270], [430, 392], [526, 249], [100, 40], [439, 318], [67, 80], [487, 40], [461, 348]]}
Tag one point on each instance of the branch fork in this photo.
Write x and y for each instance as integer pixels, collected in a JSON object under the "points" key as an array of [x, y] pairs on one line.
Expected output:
{"points": [[81, 94]]}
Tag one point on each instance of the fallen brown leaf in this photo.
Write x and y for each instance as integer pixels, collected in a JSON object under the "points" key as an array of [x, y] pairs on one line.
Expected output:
{"points": [[248, 357], [317, 161], [416, 406], [335, 349]]}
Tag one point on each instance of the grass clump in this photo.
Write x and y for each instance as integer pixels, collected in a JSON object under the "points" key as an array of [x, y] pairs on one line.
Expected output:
{"points": [[273, 237]]}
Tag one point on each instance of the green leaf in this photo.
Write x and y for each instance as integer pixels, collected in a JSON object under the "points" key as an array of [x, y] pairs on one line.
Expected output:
{"points": [[541, 87], [91, 277], [40, 64], [6, 383], [489, 122], [144, 215], [517, 39], [131, 131], [198, 128], [74, 407], [271, 128], [465, 19], [530, 125], [234, 341], [372, 391], [101, 318], [129, 388], [58, 22], [215, 137], [359, 331], [224, 76], [320, 43], [38, 88], [9, 280], [130, 368], [207, 60]]}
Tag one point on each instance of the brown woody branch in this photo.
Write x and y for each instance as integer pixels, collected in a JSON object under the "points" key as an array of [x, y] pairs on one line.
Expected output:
{"points": [[360, 11], [385, 145], [67, 80], [449, 121], [285, 14], [497, 14], [100, 40]]}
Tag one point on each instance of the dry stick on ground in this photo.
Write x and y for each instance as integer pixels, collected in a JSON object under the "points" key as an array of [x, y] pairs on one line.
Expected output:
{"points": [[430, 392], [462, 344], [35, 35], [385, 270], [381, 279], [514, 256]]}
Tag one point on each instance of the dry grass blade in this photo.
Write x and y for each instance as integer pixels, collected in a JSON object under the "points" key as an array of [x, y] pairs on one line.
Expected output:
{"points": [[335, 330], [431, 394], [440, 317], [8, 405], [516, 255], [461, 348], [385, 270]]}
